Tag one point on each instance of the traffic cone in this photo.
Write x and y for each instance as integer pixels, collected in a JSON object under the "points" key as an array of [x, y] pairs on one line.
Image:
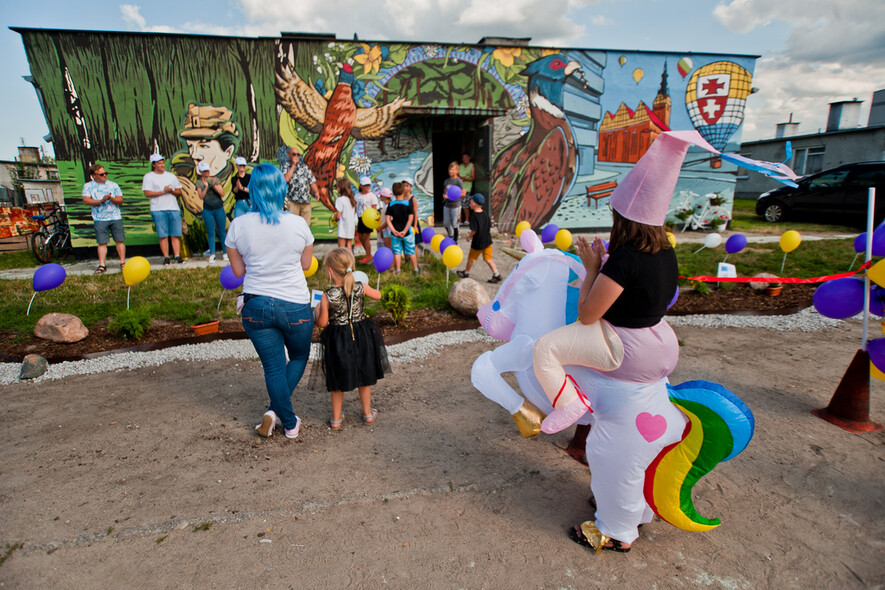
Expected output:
{"points": [[849, 408]]}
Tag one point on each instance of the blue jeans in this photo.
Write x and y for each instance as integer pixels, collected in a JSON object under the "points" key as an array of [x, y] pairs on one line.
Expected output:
{"points": [[215, 220], [275, 326], [241, 207]]}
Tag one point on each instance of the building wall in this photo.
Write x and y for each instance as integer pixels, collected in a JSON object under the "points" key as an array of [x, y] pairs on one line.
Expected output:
{"points": [[532, 115], [846, 147]]}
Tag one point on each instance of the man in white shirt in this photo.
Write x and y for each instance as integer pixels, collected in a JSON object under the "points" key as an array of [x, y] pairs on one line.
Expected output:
{"points": [[162, 189], [105, 198]]}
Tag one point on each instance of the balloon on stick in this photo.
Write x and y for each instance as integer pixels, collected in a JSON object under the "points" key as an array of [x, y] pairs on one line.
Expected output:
{"points": [[563, 239], [672, 239], [427, 234], [371, 218], [49, 276], [382, 261], [734, 244], [876, 350], [314, 265], [789, 241], [839, 298], [452, 257], [877, 273], [445, 244], [229, 281], [860, 244], [710, 241], [135, 271], [521, 226], [360, 277], [548, 234], [436, 241]]}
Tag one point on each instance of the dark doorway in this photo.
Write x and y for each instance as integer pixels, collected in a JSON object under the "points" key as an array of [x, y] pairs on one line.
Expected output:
{"points": [[450, 139]]}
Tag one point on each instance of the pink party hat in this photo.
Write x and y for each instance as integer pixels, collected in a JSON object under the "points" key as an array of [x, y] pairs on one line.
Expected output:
{"points": [[645, 192]]}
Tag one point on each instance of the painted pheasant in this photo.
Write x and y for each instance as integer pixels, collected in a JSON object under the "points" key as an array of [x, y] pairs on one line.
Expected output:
{"points": [[335, 120], [532, 175]]}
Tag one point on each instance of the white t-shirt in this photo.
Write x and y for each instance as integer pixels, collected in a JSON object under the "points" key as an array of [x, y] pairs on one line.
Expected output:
{"points": [[158, 182], [272, 254], [347, 223], [365, 201]]}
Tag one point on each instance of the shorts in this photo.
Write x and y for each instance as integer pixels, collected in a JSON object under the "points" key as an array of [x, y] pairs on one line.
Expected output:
{"points": [[167, 222], [407, 244], [361, 227], [465, 201], [473, 256], [105, 229]]}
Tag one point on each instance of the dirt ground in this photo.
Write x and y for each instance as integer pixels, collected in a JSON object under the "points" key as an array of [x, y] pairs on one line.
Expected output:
{"points": [[155, 478]]}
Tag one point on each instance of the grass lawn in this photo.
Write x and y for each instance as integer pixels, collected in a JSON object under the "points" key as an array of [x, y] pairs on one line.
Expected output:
{"points": [[744, 218]]}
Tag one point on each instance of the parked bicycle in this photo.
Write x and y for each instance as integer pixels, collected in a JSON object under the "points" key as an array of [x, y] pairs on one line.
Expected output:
{"points": [[53, 240]]}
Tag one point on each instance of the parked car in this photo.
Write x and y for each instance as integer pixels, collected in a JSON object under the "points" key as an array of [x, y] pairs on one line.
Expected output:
{"points": [[837, 194]]}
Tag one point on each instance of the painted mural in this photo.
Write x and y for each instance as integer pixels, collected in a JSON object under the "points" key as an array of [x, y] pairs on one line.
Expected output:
{"points": [[551, 131]]}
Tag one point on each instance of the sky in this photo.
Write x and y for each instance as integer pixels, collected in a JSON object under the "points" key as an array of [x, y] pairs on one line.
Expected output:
{"points": [[812, 52]]}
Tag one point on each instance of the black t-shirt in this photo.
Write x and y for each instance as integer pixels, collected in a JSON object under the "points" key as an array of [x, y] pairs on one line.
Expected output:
{"points": [[399, 212], [649, 282], [482, 225], [244, 182]]}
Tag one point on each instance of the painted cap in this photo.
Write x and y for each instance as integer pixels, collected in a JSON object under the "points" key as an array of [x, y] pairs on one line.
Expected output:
{"points": [[241, 161], [208, 122], [645, 193], [365, 181], [202, 167], [478, 199], [156, 158]]}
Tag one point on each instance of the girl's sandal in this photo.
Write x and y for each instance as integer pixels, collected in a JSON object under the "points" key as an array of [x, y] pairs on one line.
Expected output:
{"points": [[370, 418], [587, 535], [336, 424]]}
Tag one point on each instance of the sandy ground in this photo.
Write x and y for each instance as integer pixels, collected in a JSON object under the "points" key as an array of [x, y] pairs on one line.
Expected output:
{"points": [[155, 479]]}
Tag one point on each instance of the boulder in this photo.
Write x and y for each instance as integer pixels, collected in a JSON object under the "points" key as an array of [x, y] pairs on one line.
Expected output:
{"points": [[467, 296], [762, 286], [33, 366], [60, 327]]}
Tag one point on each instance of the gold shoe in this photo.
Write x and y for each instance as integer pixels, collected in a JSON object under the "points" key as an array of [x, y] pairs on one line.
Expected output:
{"points": [[593, 536], [528, 419]]}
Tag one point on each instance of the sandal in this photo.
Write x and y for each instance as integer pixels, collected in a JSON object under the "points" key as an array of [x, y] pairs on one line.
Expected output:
{"points": [[101, 269], [370, 418], [336, 424], [603, 543]]}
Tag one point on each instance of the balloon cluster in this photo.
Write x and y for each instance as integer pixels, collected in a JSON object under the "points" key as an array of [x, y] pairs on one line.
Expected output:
{"points": [[452, 254], [551, 232]]}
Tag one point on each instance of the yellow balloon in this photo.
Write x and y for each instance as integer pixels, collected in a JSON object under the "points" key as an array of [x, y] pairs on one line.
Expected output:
{"points": [[876, 274], [136, 270], [638, 73], [563, 239], [314, 265], [521, 226], [874, 372], [371, 218], [434, 243], [790, 240], [671, 238], [453, 256]]}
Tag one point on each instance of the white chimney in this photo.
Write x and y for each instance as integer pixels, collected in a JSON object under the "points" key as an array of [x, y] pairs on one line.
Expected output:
{"points": [[787, 129], [844, 115]]}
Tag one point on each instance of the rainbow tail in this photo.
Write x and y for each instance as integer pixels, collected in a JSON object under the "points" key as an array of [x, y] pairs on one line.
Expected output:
{"points": [[719, 427]]}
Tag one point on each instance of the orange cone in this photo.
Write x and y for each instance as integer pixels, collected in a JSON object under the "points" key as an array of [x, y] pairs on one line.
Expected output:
{"points": [[850, 406]]}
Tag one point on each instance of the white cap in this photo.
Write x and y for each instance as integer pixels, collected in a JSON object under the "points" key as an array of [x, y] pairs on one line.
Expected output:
{"points": [[365, 181], [241, 161], [408, 179], [156, 158], [203, 167]]}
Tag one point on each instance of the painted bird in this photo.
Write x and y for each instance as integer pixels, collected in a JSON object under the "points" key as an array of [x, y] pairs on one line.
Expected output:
{"points": [[334, 120], [532, 175]]}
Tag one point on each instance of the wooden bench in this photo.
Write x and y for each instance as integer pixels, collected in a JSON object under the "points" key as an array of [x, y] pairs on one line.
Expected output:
{"points": [[600, 191]]}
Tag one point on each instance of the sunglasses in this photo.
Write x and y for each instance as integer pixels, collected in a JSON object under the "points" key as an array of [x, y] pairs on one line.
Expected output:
{"points": [[102, 174]]}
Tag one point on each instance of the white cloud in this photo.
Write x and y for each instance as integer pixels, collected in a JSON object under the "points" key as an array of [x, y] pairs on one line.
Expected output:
{"points": [[602, 21], [131, 14]]}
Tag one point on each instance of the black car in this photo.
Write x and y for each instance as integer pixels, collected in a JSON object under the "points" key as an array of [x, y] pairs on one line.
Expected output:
{"points": [[832, 195]]}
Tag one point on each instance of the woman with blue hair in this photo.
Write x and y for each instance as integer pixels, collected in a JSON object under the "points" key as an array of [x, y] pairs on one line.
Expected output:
{"points": [[273, 248]]}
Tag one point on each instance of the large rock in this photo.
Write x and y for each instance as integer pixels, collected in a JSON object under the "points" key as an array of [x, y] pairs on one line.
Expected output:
{"points": [[762, 286], [60, 327], [33, 366], [467, 296]]}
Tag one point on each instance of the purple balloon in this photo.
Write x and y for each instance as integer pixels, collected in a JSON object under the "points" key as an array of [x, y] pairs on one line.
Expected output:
{"points": [[427, 234], [445, 244], [453, 193], [548, 234], [675, 297], [736, 243], [839, 298], [877, 300], [876, 350], [49, 276], [878, 241], [860, 243], [383, 258], [228, 279]]}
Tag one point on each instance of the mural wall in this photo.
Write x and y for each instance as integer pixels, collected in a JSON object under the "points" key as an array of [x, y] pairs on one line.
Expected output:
{"points": [[551, 131]]}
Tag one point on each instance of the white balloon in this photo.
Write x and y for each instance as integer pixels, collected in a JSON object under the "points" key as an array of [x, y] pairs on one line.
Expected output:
{"points": [[712, 240], [360, 277]]}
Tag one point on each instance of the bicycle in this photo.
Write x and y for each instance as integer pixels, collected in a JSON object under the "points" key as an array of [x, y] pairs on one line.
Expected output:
{"points": [[53, 240]]}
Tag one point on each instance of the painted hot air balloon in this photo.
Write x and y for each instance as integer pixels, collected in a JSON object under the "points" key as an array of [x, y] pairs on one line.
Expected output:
{"points": [[715, 98], [638, 73], [684, 66], [622, 60]]}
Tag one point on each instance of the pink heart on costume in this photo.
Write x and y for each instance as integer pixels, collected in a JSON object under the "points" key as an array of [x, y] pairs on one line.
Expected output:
{"points": [[651, 427]]}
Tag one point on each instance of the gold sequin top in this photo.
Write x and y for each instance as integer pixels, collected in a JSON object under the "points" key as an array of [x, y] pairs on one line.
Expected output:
{"points": [[339, 305]]}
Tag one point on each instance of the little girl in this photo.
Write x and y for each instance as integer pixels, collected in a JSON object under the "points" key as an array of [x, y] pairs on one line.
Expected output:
{"points": [[354, 356], [345, 213]]}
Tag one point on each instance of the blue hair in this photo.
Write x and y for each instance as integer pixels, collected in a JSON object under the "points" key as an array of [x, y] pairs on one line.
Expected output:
{"points": [[267, 192]]}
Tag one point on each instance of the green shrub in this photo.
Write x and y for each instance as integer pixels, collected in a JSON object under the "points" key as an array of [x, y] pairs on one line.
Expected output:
{"points": [[395, 299], [131, 323]]}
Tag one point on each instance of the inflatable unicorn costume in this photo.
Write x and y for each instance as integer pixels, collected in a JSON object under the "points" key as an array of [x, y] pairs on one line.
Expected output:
{"points": [[650, 442]]}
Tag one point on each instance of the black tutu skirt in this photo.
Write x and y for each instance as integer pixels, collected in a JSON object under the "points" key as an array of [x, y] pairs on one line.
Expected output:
{"points": [[353, 360]]}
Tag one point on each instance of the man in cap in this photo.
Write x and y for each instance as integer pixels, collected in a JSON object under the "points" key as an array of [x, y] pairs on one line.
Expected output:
{"points": [[162, 189], [105, 198], [365, 199], [302, 184]]}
